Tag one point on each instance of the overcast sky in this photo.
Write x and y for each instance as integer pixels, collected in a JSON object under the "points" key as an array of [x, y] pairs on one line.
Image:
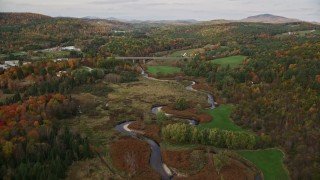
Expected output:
{"points": [[308, 10]]}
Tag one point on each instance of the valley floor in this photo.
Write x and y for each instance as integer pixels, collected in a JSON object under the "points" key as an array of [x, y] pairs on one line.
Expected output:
{"points": [[133, 101]]}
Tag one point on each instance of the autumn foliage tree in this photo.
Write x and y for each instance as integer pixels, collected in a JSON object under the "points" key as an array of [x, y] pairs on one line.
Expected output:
{"points": [[30, 138]]}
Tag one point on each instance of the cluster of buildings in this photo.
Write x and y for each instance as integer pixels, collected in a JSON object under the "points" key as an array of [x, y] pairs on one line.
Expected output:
{"points": [[15, 63], [8, 64], [11, 63]]}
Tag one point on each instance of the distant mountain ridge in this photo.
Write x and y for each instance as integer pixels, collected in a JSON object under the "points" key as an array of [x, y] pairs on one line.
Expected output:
{"points": [[269, 18], [24, 18], [261, 18], [174, 22], [184, 21], [90, 17]]}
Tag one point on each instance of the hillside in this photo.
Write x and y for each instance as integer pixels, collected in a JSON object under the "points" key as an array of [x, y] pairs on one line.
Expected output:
{"points": [[28, 31], [21, 18]]}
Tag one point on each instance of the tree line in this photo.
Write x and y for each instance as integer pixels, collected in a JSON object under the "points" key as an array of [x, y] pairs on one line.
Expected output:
{"points": [[184, 133]]}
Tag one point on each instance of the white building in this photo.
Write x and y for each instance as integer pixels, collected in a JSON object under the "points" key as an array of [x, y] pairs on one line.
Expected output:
{"points": [[12, 63]]}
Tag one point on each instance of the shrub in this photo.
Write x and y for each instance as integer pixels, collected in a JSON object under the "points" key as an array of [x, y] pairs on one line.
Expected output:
{"points": [[220, 160], [161, 116], [127, 76], [97, 73], [181, 104], [198, 109], [113, 78]]}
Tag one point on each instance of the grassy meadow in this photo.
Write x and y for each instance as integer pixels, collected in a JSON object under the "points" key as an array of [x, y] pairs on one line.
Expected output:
{"points": [[232, 61], [163, 69], [221, 119], [267, 160]]}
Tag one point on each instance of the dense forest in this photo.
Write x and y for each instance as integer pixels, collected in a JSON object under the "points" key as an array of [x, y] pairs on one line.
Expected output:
{"points": [[275, 90]]}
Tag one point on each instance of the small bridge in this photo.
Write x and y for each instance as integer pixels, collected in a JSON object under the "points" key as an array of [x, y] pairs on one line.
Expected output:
{"points": [[144, 59]]}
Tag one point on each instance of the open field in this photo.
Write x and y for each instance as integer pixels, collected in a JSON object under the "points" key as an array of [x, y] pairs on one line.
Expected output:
{"points": [[39, 55], [163, 69], [269, 161], [140, 96], [232, 61], [221, 119], [173, 62]]}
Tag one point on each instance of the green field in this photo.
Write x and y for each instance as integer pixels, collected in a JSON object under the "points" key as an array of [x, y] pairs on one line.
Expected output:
{"points": [[181, 52], [163, 69], [233, 61], [303, 33], [221, 119], [269, 161], [39, 55]]}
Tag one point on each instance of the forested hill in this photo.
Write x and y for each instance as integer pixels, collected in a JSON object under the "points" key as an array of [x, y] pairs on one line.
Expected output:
{"points": [[269, 18], [27, 31], [98, 37], [21, 18], [277, 89]]}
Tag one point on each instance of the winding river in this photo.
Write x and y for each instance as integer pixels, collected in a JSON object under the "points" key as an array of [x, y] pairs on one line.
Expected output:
{"points": [[155, 158]]}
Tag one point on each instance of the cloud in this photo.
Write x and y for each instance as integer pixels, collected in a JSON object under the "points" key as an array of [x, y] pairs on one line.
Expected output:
{"points": [[314, 14], [156, 4], [306, 9], [112, 2]]}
